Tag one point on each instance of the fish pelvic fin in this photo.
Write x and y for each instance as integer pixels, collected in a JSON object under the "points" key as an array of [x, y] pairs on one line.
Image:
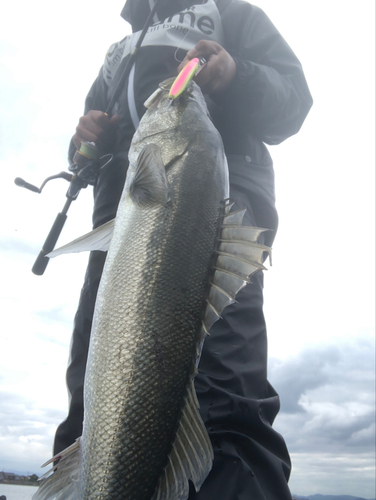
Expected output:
{"points": [[62, 481], [99, 239], [149, 185], [239, 256], [191, 457]]}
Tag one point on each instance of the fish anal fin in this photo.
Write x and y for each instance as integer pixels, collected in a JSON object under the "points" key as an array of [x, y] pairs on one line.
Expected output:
{"points": [[191, 456], [149, 185]]}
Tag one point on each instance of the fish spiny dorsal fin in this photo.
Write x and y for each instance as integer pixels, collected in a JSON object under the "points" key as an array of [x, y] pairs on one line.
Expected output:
{"points": [[220, 298], [228, 205], [241, 233], [239, 256], [211, 315], [149, 185], [234, 217], [191, 456], [62, 484], [250, 252]]}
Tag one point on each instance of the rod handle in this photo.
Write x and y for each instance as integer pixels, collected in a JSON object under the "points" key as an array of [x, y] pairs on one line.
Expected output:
{"points": [[41, 262]]}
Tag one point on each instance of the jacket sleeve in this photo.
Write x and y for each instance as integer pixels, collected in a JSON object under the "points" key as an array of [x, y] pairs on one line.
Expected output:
{"points": [[269, 94]]}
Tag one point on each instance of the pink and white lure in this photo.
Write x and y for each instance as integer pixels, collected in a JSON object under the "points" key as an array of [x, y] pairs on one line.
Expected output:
{"points": [[181, 82]]}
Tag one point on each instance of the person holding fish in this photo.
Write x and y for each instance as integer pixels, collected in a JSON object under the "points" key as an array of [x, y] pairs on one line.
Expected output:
{"points": [[256, 93]]}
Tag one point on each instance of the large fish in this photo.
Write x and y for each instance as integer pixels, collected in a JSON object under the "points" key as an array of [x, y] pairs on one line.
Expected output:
{"points": [[177, 257]]}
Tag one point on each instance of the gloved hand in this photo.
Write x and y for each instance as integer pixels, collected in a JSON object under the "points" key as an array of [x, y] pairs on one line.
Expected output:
{"points": [[220, 68]]}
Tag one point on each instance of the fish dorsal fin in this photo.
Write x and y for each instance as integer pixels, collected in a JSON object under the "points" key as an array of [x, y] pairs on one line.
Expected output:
{"points": [[149, 184], [239, 256], [99, 239], [191, 456]]}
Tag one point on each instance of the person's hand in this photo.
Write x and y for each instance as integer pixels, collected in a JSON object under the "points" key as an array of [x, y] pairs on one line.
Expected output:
{"points": [[220, 68], [96, 127]]}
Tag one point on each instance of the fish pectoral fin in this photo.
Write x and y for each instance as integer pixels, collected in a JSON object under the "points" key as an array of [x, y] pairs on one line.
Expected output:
{"points": [[99, 239], [61, 481], [191, 457], [150, 184]]}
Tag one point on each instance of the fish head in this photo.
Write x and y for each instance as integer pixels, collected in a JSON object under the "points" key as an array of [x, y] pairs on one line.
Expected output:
{"points": [[168, 122], [170, 132]]}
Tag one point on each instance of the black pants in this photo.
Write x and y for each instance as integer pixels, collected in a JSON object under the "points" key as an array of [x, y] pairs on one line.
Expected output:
{"points": [[237, 403]]}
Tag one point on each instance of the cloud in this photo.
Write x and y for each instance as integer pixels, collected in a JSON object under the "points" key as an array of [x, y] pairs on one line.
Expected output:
{"points": [[329, 390], [26, 432], [328, 416], [297, 375], [332, 474]]}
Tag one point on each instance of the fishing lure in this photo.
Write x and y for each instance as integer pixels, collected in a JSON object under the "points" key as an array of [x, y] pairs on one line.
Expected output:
{"points": [[181, 82]]}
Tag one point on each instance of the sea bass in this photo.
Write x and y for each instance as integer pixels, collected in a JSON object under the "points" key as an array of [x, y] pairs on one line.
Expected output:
{"points": [[177, 257]]}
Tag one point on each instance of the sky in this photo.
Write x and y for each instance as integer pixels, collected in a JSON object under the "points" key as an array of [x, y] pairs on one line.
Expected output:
{"points": [[319, 294]]}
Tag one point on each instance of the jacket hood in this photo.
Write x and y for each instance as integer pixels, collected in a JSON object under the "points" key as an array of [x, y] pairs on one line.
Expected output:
{"points": [[136, 12]]}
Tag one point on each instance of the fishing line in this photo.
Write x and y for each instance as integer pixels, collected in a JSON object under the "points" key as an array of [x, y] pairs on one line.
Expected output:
{"points": [[189, 30], [179, 46]]}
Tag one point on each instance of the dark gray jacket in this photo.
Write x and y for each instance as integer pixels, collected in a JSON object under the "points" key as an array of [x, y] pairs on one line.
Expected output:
{"points": [[267, 102]]}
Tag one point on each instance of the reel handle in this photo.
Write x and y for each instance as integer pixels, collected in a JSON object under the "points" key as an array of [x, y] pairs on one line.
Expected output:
{"points": [[88, 156]]}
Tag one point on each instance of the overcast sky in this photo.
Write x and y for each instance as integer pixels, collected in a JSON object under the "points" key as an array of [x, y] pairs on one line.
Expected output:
{"points": [[319, 297]]}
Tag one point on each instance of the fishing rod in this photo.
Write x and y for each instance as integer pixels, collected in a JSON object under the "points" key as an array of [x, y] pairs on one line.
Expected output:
{"points": [[87, 162]]}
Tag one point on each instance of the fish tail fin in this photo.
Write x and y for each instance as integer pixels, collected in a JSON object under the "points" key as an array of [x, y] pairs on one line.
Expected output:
{"points": [[191, 456], [61, 482]]}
